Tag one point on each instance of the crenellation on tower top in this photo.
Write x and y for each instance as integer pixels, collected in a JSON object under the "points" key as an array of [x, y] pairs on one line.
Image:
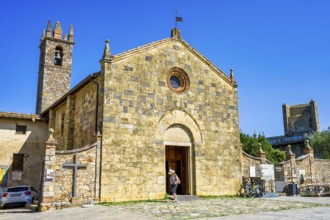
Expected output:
{"points": [[71, 33], [49, 29], [43, 35], [58, 31]]}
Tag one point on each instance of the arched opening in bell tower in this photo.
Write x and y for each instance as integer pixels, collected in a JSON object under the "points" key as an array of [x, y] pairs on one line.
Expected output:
{"points": [[58, 56]]}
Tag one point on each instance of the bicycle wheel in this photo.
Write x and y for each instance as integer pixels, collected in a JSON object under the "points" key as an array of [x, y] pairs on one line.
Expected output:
{"points": [[251, 193], [261, 192]]}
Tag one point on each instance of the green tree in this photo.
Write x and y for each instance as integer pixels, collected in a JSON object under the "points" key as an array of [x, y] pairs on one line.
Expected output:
{"points": [[320, 142], [250, 146]]}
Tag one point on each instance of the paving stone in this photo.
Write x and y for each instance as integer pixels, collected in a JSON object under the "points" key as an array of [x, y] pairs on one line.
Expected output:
{"points": [[231, 208]]}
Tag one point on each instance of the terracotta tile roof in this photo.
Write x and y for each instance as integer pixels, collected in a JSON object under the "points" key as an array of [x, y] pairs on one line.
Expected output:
{"points": [[20, 116]]}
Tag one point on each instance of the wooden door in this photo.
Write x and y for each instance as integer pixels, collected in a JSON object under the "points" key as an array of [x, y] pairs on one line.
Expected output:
{"points": [[177, 159]]}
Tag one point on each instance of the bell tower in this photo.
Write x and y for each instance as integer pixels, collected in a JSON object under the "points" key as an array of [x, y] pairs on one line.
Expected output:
{"points": [[55, 66]]}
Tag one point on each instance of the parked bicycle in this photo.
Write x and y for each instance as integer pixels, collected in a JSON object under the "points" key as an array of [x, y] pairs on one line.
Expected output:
{"points": [[252, 191], [316, 190]]}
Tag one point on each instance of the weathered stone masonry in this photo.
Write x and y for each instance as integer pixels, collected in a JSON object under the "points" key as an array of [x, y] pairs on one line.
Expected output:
{"points": [[137, 97], [131, 102], [54, 80], [57, 192]]}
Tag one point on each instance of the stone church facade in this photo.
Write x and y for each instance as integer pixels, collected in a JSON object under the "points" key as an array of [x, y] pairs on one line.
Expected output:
{"points": [[157, 106]]}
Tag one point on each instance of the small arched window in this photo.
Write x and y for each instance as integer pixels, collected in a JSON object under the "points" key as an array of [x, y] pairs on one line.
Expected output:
{"points": [[58, 56]]}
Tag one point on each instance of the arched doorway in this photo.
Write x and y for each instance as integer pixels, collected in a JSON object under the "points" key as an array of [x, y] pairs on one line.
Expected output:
{"points": [[177, 130], [178, 151]]}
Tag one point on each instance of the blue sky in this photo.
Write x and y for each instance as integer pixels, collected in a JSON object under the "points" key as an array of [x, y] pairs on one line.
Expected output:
{"points": [[279, 49]]}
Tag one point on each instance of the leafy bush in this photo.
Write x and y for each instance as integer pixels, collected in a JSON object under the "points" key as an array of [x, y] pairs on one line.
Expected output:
{"points": [[320, 142], [250, 146]]}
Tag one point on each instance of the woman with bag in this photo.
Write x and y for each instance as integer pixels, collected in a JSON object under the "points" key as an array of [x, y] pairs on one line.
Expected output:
{"points": [[174, 181]]}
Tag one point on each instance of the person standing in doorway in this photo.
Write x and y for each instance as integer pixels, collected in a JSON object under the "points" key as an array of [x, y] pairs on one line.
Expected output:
{"points": [[174, 181]]}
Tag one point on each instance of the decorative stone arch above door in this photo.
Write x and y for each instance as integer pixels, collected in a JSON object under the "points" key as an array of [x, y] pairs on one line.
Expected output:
{"points": [[176, 118], [178, 135]]}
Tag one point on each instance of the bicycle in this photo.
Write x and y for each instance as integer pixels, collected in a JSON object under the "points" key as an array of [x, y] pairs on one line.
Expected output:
{"points": [[248, 191], [259, 191], [252, 191]]}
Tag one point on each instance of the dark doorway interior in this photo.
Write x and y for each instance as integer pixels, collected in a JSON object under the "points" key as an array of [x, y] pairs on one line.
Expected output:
{"points": [[177, 159]]}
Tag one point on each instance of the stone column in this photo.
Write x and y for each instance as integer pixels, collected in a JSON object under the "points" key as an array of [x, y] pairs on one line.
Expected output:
{"points": [[291, 158], [289, 154], [269, 184], [309, 150], [261, 154], [48, 183]]}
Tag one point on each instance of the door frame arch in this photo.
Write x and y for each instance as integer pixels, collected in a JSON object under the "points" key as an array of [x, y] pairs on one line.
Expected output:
{"points": [[175, 117]]}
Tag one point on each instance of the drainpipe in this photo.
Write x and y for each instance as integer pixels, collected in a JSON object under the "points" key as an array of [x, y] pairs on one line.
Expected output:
{"points": [[93, 76], [99, 167]]}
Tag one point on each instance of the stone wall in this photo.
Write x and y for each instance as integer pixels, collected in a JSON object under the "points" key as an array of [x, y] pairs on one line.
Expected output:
{"points": [[248, 161], [74, 119], [84, 115], [60, 124], [58, 191], [139, 107], [305, 170], [321, 172], [86, 177]]}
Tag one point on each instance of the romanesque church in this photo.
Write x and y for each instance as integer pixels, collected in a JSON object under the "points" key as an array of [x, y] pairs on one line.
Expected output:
{"points": [[158, 106]]}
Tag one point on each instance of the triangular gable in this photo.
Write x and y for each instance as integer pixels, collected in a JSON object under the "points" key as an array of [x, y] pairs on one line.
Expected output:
{"points": [[155, 44]]}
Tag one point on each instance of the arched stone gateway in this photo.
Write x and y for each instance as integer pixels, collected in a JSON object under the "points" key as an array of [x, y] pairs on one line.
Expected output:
{"points": [[179, 134]]}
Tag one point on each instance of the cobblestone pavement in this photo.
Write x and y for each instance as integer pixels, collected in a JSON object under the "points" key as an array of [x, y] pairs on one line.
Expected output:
{"points": [[229, 208]]}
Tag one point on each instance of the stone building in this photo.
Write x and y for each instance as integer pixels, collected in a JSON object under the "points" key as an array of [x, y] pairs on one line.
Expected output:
{"points": [[157, 106], [22, 149], [299, 121]]}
